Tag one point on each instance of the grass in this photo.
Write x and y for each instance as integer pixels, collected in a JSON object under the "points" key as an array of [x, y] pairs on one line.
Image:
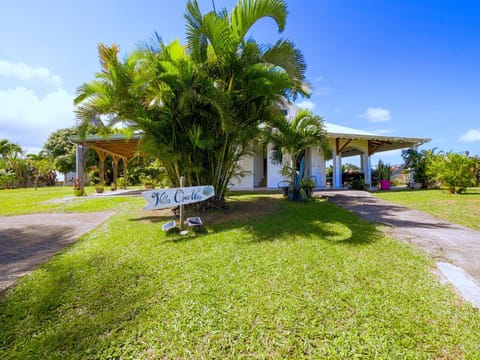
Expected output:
{"points": [[460, 209], [303, 281], [55, 199]]}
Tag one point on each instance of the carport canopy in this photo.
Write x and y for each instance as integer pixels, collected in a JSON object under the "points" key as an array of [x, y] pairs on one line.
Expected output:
{"points": [[118, 146]]}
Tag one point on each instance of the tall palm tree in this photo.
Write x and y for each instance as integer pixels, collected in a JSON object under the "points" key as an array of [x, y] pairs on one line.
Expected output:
{"points": [[199, 107], [251, 80], [290, 140]]}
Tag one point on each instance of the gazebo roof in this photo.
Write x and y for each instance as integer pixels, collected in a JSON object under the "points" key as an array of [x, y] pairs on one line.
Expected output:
{"points": [[376, 142], [114, 144]]}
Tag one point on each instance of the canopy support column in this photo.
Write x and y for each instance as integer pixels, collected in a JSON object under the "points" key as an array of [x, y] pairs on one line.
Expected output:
{"points": [[102, 155], [115, 159], [337, 170], [125, 173], [81, 163], [367, 168]]}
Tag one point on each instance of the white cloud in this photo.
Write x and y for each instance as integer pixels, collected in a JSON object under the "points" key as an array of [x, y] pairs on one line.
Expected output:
{"points": [[26, 73], [472, 135], [307, 104], [27, 117], [376, 115]]}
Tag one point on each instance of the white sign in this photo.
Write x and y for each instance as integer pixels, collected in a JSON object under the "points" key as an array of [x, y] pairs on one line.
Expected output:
{"points": [[168, 198], [169, 225], [194, 221]]}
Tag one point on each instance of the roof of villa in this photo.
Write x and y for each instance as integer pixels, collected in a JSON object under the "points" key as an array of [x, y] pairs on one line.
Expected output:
{"points": [[376, 142], [127, 146]]}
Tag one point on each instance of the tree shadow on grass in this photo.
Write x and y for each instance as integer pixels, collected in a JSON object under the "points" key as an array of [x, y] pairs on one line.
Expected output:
{"points": [[79, 304], [383, 212], [315, 219], [64, 313], [270, 217]]}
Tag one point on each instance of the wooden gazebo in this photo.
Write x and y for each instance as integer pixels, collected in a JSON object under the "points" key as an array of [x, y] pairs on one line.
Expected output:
{"points": [[118, 146]]}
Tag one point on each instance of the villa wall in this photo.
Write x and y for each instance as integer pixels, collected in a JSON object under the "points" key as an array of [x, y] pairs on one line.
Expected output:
{"points": [[247, 181], [258, 170]]}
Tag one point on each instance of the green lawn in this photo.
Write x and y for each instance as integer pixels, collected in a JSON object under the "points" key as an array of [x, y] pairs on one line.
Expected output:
{"points": [[304, 281], [460, 209], [55, 199]]}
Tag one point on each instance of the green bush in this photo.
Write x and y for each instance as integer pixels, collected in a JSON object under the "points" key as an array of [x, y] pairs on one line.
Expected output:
{"points": [[454, 171], [7, 178]]}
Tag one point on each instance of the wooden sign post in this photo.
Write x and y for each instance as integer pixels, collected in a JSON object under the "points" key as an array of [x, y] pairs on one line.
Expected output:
{"points": [[170, 198]]}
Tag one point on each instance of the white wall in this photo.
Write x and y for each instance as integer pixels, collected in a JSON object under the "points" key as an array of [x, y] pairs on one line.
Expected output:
{"points": [[317, 166], [245, 182], [273, 171], [257, 169]]}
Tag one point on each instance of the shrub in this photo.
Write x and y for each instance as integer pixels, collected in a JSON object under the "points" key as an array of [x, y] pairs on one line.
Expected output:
{"points": [[453, 171]]}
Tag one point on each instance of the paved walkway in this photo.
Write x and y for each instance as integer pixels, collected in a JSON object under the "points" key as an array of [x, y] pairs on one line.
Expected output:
{"points": [[29, 240], [443, 241]]}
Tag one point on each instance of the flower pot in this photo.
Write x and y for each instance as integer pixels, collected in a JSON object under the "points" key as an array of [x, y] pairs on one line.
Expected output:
{"points": [[384, 184], [99, 190], [294, 195]]}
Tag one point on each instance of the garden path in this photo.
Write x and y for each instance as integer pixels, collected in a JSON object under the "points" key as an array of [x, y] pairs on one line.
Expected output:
{"points": [[445, 242], [29, 240]]}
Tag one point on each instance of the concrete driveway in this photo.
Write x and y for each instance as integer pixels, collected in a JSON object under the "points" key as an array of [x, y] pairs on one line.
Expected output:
{"points": [[29, 240]]}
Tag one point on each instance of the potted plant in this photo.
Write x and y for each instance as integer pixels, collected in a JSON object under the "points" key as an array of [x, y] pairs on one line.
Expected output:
{"points": [[307, 184], [284, 185], [77, 189], [384, 172], [148, 182], [99, 189]]}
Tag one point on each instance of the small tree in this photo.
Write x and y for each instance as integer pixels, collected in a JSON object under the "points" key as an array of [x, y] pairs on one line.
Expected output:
{"points": [[61, 150], [42, 168], [290, 140], [415, 161], [454, 171]]}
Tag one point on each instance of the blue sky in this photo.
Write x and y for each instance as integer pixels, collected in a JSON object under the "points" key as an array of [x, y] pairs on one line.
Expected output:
{"points": [[399, 68]]}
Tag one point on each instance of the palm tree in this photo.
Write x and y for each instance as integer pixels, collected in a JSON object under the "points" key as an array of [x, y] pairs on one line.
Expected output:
{"points": [[199, 107], [9, 149], [251, 80], [290, 140]]}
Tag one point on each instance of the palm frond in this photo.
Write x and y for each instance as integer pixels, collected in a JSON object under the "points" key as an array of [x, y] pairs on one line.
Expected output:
{"points": [[247, 12]]}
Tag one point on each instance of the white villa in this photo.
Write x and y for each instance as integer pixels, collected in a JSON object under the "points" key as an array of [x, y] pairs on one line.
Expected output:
{"points": [[259, 169], [344, 142]]}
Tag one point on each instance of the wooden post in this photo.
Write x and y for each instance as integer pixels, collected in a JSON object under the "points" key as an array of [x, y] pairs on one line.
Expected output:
{"points": [[101, 172], [115, 159], [181, 205], [124, 173]]}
